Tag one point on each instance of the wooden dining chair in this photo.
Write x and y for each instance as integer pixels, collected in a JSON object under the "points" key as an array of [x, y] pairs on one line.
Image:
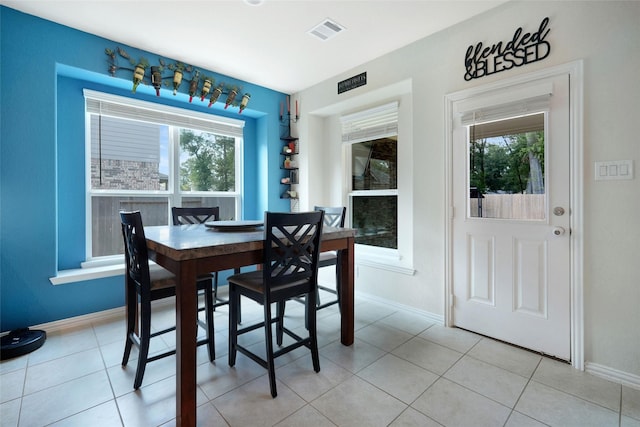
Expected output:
{"points": [[200, 215], [289, 270], [144, 284], [194, 215], [333, 217]]}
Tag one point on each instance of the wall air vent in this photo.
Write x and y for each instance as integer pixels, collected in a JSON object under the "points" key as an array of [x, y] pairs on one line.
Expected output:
{"points": [[326, 29]]}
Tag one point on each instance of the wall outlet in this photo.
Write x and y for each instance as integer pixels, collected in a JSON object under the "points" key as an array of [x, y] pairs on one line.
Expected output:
{"points": [[616, 169]]}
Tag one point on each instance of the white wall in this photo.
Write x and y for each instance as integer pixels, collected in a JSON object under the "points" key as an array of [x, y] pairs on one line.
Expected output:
{"points": [[606, 35]]}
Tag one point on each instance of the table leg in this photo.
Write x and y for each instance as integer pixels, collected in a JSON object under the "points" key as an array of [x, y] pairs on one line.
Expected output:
{"points": [[186, 332], [347, 293]]}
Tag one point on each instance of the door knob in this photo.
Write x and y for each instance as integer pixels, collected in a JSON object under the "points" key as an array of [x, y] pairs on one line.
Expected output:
{"points": [[558, 231]]}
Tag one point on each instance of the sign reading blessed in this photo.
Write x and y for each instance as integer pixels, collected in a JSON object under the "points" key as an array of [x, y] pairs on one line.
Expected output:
{"points": [[352, 82], [522, 49]]}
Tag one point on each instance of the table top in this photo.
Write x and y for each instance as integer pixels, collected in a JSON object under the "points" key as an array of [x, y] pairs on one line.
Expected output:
{"points": [[181, 242]]}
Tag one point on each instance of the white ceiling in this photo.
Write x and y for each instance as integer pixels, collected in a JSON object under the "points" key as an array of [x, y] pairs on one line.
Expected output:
{"points": [[268, 45]]}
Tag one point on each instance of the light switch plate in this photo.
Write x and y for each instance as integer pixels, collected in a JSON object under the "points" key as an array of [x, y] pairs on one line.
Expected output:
{"points": [[616, 169]]}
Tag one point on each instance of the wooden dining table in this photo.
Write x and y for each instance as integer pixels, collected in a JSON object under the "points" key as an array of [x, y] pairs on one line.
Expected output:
{"points": [[192, 250]]}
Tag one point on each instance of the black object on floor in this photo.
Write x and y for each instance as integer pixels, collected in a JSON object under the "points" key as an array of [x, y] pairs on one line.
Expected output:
{"points": [[21, 341]]}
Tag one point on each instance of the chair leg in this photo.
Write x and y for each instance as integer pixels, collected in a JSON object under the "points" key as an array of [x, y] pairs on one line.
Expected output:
{"points": [[280, 306], [131, 311], [209, 300], [269, 349], [306, 312], [145, 336], [339, 282], [313, 337], [215, 289], [237, 271], [233, 323]]}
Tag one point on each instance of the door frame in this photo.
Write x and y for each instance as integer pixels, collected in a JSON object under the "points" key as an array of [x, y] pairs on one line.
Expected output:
{"points": [[576, 175]]}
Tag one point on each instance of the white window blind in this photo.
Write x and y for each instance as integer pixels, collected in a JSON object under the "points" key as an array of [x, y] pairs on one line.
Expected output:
{"points": [[124, 139], [117, 106], [512, 109], [512, 126], [375, 123], [522, 102]]}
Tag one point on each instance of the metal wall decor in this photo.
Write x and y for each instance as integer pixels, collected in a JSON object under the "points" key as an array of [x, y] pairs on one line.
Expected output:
{"points": [[288, 118], [522, 49], [199, 85]]}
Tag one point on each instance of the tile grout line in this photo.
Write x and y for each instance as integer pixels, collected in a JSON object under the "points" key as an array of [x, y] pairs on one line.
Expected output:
{"points": [[522, 393], [106, 371]]}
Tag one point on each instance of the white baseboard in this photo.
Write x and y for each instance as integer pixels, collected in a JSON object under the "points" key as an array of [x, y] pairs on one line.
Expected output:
{"points": [[79, 321], [99, 316], [435, 318], [624, 378]]}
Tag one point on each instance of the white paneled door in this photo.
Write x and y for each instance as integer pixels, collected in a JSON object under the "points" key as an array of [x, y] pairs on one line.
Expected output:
{"points": [[511, 205]]}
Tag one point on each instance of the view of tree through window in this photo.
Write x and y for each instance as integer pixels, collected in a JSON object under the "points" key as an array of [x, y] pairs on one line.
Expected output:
{"points": [[207, 161], [506, 168]]}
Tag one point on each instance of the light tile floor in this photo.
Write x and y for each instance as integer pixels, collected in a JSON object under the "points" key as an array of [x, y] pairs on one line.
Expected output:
{"points": [[401, 371]]}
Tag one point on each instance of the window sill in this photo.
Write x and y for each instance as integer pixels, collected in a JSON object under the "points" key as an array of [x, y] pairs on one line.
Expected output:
{"points": [[83, 274], [384, 262]]}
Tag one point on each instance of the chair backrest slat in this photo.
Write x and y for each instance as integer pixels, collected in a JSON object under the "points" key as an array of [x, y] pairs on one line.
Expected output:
{"points": [[291, 247], [197, 215], [135, 249], [333, 216]]}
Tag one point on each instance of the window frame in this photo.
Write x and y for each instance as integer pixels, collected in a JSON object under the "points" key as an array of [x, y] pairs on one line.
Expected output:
{"points": [[175, 119], [375, 125]]}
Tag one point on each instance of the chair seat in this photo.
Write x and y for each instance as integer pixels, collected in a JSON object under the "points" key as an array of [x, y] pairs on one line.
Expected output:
{"points": [[254, 281], [328, 256], [161, 278], [205, 277]]}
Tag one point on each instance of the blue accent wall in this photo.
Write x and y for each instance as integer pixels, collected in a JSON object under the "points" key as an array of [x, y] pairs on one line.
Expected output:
{"points": [[43, 69]]}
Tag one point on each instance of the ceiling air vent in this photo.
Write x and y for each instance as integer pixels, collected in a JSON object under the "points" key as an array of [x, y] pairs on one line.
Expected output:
{"points": [[326, 29]]}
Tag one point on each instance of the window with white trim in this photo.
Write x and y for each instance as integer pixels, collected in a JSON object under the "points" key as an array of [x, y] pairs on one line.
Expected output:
{"points": [[370, 138], [506, 156], [151, 157]]}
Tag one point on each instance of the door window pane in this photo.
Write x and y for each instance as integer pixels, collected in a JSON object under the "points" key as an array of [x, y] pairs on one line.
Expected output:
{"points": [[506, 169]]}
